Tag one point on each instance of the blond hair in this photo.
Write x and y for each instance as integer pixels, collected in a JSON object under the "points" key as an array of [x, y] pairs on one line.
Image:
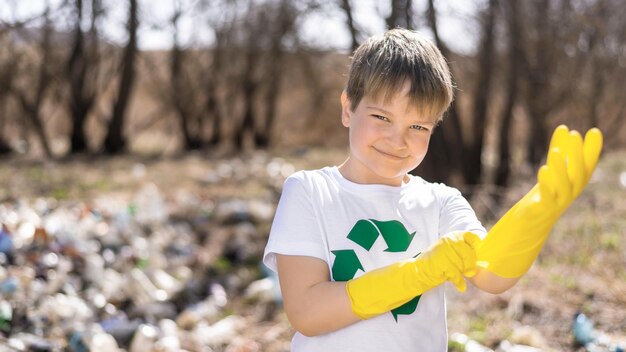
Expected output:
{"points": [[382, 64]]}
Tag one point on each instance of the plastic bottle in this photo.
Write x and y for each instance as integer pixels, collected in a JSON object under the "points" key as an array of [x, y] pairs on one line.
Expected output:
{"points": [[593, 340], [169, 340], [583, 330], [143, 290], [144, 339]]}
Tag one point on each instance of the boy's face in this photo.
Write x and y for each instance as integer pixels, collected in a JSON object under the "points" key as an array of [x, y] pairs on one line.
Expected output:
{"points": [[387, 140]]}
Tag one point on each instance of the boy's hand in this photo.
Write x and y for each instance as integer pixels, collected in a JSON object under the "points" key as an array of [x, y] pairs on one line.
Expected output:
{"points": [[384, 289], [514, 242], [450, 258]]}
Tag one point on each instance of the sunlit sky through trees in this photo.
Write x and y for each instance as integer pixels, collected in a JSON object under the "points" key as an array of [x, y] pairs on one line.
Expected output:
{"points": [[325, 28]]}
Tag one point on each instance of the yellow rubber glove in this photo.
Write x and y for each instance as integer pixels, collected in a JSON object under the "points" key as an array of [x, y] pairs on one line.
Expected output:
{"points": [[384, 289], [515, 241]]}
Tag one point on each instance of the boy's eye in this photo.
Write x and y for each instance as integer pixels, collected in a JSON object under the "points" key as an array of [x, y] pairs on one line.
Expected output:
{"points": [[380, 117], [419, 128]]}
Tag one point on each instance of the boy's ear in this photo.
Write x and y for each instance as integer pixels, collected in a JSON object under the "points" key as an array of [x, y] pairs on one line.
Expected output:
{"points": [[345, 109]]}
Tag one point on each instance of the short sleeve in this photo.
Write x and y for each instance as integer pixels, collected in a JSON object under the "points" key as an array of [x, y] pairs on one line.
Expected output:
{"points": [[456, 214], [295, 229]]}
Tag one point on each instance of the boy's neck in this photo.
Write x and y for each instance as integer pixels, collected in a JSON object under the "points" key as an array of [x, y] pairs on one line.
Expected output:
{"points": [[362, 175]]}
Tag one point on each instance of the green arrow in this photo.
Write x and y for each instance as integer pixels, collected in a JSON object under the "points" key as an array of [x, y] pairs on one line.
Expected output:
{"points": [[345, 265], [364, 233], [395, 234], [407, 308]]}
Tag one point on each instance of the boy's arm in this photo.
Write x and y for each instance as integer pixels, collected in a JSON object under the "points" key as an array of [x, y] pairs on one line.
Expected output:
{"points": [[490, 282], [315, 305]]}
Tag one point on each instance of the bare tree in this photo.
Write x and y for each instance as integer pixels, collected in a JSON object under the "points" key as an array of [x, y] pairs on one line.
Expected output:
{"points": [[307, 58], [540, 71], [8, 66], [213, 104], [346, 6], [249, 88], [486, 55], [283, 26], [32, 103], [83, 69], [611, 109], [115, 142], [189, 87], [596, 34], [266, 27], [181, 92], [6, 77], [514, 54]]}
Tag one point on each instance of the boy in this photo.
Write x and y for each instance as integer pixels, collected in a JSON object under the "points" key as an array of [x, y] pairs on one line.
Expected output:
{"points": [[361, 249]]}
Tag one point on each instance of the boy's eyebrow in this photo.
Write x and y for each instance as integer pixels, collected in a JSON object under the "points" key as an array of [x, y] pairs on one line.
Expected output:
{"points": [[380, 109], [390, 113]]}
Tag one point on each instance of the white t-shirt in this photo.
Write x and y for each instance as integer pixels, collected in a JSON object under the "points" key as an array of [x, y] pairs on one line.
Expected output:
{"points": [[356, 228]]}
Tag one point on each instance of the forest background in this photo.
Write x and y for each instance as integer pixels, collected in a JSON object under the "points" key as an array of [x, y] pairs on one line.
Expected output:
{"points": [[84, 109], [66, 88]]}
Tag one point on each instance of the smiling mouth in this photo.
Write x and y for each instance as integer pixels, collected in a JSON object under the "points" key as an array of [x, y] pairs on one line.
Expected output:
{"points": [[390, 156]]}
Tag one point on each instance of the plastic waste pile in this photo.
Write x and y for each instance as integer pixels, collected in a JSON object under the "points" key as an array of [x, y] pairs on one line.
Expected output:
{"points": [[142, 275]]}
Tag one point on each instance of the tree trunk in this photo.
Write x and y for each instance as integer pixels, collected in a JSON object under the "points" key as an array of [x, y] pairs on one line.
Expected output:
{"points": [[285, 21], [249, 86], [347, 9], [80, 101], [473, 162], [213, 106], [597, 65], [5, 148], [316, 88], [179, 92], [446, 144], [431, 169], [539, 89], [247, 124], [538, 144], [83, 69], [504, 166], [213, 110], [401, 14], [32, 113], [264, 133], [7, 74], [32, 107], [179, 98], [115, 141]]}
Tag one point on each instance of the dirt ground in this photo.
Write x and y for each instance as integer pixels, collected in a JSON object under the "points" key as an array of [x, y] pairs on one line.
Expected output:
{"points": [[582, 267]]}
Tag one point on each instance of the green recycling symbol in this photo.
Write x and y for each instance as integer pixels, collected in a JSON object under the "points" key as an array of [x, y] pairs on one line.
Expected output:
{"points": [[364, 233]]}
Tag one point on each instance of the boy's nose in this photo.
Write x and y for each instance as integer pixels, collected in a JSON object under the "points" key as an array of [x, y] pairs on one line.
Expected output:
{"points": [[396, 138]]}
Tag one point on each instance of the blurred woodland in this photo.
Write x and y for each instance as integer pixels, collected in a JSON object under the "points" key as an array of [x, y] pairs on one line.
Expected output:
{"points": [[138, 186], [67, 89]]}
